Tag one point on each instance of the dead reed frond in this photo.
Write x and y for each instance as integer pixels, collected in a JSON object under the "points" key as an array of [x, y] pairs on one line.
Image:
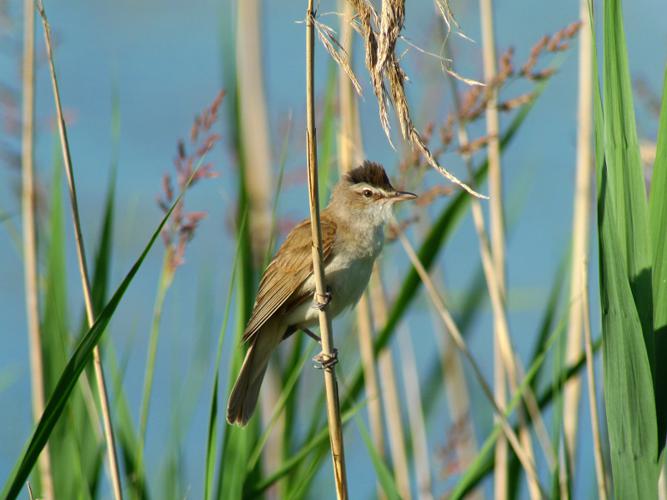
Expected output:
{"points": [[327, 36], [382, 64]]}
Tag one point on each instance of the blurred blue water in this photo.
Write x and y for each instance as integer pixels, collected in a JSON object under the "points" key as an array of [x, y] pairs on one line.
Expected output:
{"points": [[164, 61]]}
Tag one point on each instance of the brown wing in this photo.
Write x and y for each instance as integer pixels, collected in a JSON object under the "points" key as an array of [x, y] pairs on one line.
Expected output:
{"points": [[287, 272]]}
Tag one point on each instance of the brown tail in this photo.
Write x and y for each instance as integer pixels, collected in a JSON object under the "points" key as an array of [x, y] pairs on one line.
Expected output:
{"points": [[245, 393]]}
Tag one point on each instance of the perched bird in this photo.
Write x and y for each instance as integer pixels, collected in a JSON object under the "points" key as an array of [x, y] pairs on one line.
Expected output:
{"points": [[352, 238]]}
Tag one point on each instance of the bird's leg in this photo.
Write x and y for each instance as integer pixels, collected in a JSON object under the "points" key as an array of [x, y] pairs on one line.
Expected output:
{"points": [[312, 335], [322, 301], [324, 361]]}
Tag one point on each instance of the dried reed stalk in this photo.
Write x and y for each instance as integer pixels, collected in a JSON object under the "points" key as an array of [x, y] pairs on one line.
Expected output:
{"points": [[30, 238], [390, 397], [112, 459], [256, 145], [350, 145], [524, 458], [415, 415], [254, 123], [592, 396], [330, 382], [497, 226], [583, 194], [373, 396]]}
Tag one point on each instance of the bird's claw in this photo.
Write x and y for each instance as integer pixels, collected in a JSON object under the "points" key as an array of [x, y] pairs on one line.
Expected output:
{"points": [[312, 335], [324, 361], [321, 301]]}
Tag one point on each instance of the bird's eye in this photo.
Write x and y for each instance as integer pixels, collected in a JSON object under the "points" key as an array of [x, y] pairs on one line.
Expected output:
{"points": [[367, 193]]}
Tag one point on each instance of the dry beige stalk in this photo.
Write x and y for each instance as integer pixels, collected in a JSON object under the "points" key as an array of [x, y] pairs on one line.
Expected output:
{"points": [[592, 396], [112, 458], [328, 350], [254, 133], [415, 415], [30, 238], [497, 238], [256, 144], [583, 199], [390, 397], [371, 383]]}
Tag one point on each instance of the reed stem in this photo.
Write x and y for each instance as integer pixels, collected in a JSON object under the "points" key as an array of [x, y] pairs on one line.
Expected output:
{"points": [[30, 238], [112, 459], [330, 382], [389, 387], [583, 194], [497, 226], [592, 396]]}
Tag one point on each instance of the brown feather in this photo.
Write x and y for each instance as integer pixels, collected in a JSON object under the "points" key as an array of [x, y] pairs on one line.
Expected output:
{"points": [[289, 269]]}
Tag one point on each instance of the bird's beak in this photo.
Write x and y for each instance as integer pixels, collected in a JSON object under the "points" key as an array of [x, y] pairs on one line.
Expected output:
{"points": [[402, 196]]}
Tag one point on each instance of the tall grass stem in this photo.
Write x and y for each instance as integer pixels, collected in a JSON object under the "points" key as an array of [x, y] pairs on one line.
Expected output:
{"points": [[583, 194], [415, 415], [600, 473], [390, 396], [330, 382], [30, 237], [497, 225], [112, 459]]}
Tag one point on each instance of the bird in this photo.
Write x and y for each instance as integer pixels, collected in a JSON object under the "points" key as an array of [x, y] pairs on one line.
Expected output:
{"points": [[352, 227]]}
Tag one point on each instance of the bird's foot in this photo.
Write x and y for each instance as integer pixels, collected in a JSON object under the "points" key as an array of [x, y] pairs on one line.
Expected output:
{"points": [[321, 301], [324, 361], [312, 335]]}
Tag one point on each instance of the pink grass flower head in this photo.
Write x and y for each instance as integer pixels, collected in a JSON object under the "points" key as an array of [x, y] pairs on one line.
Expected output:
{"points": [[182, 225]]}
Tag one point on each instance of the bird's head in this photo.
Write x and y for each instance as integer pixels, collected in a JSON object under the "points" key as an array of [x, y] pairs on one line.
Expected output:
{"points": [[365, 193]]}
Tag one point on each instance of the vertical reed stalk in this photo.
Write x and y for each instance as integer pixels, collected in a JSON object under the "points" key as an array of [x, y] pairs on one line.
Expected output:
{"points": [[497, 223], [330, 382], [256, 147], [390, 397], [415, 415], [580, 230], [365, 327], [254, 123], [592, 396], [350, 146], [30, 237], [114, 474]]}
